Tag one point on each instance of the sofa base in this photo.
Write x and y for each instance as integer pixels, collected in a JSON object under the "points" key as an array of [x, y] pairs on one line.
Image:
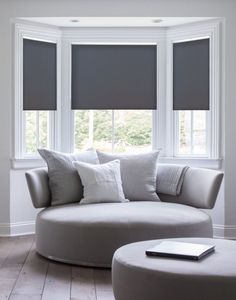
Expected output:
{"points": [[88, 235], [73, 262]]}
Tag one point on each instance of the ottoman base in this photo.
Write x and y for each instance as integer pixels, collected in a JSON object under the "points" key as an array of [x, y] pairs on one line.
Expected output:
{"points": [[137, 277]]}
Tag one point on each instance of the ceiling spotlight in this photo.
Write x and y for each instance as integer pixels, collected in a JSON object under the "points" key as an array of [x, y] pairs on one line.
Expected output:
{"points": [[74, 21], [157, 21]]}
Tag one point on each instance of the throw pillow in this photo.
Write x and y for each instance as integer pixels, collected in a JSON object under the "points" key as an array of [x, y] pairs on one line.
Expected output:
{"points": [[64, 181], [102, 183], [138, 174]]}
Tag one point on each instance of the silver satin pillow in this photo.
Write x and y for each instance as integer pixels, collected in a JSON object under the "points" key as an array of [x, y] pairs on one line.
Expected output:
{"points": [[138, 174], [64, 181]]}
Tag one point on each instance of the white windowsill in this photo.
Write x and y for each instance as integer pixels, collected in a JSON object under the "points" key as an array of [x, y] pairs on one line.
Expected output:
{"points": [[211, 163], [27, 163], [196, 162]]}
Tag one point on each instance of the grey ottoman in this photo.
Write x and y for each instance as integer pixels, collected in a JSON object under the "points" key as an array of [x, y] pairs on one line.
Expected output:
{"points": [[138, 277]]}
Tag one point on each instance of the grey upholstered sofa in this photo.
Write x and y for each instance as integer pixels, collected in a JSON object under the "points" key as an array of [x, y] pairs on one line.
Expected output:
{"points": [[90, 234]]}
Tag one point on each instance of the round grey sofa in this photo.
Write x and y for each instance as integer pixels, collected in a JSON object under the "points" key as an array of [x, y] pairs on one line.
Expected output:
{"points": [[90, 234]]}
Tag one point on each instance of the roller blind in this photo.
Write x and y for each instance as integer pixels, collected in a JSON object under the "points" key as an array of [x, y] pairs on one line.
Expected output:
{"points": [[191, 75], [39, 75], [113, 77]]}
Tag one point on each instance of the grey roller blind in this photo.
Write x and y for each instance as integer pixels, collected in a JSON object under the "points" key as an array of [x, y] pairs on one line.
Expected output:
{"points": [[39, 75], [113, 77], [191, 75]]}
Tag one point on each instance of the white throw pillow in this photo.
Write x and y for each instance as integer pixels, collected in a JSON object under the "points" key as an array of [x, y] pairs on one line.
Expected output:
{"points": [[138, 174], [102, 183]]}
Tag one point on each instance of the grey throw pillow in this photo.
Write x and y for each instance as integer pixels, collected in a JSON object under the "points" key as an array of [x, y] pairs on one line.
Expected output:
{"points": [[64, 181], [138, 174]]}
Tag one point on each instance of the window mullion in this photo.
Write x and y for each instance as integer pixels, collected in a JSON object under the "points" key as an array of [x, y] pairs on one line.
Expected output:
{"points": [[191, 130], [91, 127], [23, 141], [37, 129], [113, 129]]}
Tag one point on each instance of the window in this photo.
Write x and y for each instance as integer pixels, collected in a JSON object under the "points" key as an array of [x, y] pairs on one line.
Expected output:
{"points": [[37, 102], [36, 131], [180, 134], [192, 134], [193, 95], [113, 130]]}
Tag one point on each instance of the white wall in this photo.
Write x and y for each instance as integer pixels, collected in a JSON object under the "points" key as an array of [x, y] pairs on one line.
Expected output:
{"points": [[22, 212], [15, 206]]}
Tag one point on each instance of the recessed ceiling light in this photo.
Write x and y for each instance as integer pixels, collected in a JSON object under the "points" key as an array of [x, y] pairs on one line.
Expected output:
{"points": [[74, 21], [157, 21]]}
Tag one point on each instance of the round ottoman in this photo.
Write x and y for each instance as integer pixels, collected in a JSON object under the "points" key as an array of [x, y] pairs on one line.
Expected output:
{"points": [[138, 277]]}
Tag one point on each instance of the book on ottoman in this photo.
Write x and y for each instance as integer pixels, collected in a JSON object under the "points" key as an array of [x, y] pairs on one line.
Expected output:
{"points": [[180, 250]]}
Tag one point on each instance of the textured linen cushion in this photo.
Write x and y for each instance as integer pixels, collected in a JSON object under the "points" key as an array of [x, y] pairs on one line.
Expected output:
{"points": [[102, 183], [64, 181], [138, 174]]}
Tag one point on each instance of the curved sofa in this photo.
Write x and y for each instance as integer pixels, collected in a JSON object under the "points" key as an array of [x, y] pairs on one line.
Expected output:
{"points": [[90, 234]]}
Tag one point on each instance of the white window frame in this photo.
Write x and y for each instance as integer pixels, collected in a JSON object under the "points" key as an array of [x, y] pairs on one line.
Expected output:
{"points": [[122, 36], [209, 30], [164, 119], [32, 32]]}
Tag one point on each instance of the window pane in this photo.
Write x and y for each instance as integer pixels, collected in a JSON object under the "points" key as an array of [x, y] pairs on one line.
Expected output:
{"points": [[199, 132], [102, 133], [36, 131], [192, 133], [93, 128], [30, 132], [184, 134], [43, 129], [81, 121], [133, 130]]}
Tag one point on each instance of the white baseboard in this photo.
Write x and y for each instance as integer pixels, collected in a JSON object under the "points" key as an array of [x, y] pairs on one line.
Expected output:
{"points": [[24, 228], [230, 232], [18, 228], [5, 229], [218, 231], [224, 231]]}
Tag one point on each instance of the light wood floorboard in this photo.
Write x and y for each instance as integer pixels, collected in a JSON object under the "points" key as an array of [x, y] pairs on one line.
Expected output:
{"points": [[103, 285], [58, 282], [83, 287], [13, 263], [25, 275]]}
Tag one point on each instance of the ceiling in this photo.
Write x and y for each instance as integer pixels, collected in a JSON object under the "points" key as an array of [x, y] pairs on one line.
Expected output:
{"points": [[116, 21]]}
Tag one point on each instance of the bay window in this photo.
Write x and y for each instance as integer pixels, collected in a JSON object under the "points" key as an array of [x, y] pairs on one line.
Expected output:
{"points": [[153, 110]]}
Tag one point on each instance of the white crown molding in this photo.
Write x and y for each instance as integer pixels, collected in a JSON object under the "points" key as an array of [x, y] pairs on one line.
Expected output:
{"points": [[36, 29], [195, 29], [128, 35]]}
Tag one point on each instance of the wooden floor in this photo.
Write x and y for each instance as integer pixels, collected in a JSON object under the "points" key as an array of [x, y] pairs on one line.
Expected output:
{"points": [[24, 275]]}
